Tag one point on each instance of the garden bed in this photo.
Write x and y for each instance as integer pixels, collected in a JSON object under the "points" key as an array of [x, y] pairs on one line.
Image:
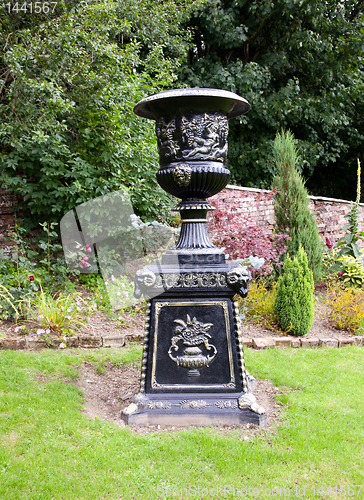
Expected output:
{"points": [[102, 331]]}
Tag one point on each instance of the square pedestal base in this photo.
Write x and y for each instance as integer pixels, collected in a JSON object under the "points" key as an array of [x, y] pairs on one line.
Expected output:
{"points": [[197, 418], [206, 410]]}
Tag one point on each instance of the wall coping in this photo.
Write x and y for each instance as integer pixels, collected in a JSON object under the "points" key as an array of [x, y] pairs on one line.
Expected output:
{"points": [[318, 198]]}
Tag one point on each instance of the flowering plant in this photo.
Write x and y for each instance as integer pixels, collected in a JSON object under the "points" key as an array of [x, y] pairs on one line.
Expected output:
{"points": [[328, 242], [58, 314]]}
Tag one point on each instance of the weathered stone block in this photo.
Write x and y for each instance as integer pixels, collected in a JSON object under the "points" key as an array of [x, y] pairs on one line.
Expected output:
{"points": [[359, 341], [295, 342], [263, 342], [113, 341], [310, 342], [72, 342], [344, 342], [283, 341], [13, 344], [247, 342], [90, 342], [328, 342], [134, 337], [36, 344]]}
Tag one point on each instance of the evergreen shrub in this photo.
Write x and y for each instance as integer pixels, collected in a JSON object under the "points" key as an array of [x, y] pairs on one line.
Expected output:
{"points": [[291, 204], [294, 303]]}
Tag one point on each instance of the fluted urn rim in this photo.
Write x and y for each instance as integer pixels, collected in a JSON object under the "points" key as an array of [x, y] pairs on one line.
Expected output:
{"points": [[173, 102]]}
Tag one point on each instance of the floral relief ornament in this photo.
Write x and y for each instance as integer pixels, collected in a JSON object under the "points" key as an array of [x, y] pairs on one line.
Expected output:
{"points": [[192, 333]]}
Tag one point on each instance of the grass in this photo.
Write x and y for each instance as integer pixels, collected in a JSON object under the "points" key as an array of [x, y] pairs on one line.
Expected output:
{"points": [[50, 450]]}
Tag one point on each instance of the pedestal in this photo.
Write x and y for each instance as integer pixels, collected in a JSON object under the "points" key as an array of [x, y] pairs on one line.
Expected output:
{"points": [[193, 370]]}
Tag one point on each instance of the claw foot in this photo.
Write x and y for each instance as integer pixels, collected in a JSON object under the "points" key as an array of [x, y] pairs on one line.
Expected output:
{"points": [[247, 401]]}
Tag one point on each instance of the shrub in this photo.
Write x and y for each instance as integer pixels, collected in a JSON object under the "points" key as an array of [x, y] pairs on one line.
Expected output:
{"points": [[28, 266], [294, 303], [68, 130], [259, 304], [347, 308], [352, 270], [242, 238], [291, 204]]}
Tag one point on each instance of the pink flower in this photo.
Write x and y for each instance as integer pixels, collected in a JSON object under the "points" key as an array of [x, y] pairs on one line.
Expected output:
{"points": [[61, 345], [31, 277], [112, 277], [328, 242], [88, 249], [16, 329], [340, 273], [39, 331]]}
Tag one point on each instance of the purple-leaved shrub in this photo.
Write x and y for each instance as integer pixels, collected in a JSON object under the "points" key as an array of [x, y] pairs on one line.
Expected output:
{"points": [[242, 238]]}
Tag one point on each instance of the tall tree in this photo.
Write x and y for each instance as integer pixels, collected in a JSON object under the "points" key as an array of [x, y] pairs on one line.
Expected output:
{"points": [[291, 205], [300, 64]]}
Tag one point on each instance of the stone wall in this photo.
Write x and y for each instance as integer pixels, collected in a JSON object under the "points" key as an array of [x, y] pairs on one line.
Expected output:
{"points": [[257, 204]]}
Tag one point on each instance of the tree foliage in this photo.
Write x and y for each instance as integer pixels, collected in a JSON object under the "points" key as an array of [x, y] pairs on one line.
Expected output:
{"points": [[300, 65], [291, 204], [68, 88]]}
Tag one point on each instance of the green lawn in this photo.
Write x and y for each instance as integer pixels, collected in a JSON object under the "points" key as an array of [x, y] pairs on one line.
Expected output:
{"points": [[50, 450]]}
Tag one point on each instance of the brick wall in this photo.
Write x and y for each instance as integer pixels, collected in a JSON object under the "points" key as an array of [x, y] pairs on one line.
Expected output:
{"points": [[8, 201], [254, 203], [258, 205]]}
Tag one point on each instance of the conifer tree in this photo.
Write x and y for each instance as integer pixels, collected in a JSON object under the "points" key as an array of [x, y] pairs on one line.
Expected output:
{"points": [[291, 204], [294, 303]]}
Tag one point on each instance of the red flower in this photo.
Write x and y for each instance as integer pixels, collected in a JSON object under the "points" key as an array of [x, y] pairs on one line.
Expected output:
{"points": [[31, 277], [340, 273], [328, 242]]}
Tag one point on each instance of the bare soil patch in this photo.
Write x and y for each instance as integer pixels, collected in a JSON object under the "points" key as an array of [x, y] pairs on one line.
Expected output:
{"points": [[107, 394]]}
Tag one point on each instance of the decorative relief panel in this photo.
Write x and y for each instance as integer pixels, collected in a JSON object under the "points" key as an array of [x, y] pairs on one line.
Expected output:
{"points": [[146, 279], [185, 348], [191, 280], [193, 404], [204, 137], [192, 333]]}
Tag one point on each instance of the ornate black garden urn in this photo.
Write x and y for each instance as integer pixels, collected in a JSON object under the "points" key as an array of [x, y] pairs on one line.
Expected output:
{"points": [[193, 370]]}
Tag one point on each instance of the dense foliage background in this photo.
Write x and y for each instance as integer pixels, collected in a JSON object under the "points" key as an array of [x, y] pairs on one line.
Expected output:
{"points": [[69, 84], [300, 64], [69, 81]]}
